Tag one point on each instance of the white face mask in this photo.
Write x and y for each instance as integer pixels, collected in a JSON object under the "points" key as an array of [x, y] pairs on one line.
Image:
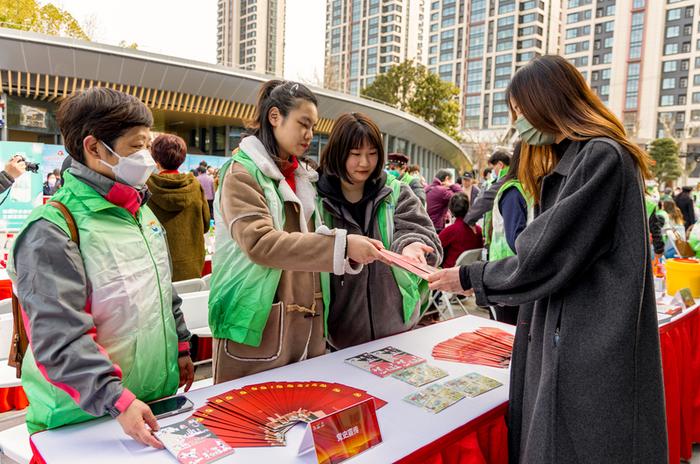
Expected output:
{"points": [[134, 169]]}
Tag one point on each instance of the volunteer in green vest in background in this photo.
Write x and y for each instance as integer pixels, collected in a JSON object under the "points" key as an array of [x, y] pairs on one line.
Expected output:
{"points": [[694, 239], [398, 168], [656, 221], [105, 328], [512, 212], [357, 195], [265, 305], [500, 166]]}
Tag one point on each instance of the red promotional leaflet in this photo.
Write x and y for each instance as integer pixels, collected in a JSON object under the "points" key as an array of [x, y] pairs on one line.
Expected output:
{"points": [[346, 433], [487, 346], [419, 269], [261, 414], [191, 443]]}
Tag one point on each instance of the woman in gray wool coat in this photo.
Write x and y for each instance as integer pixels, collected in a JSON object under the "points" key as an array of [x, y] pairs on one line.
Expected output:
{"points": [[586, 379]]}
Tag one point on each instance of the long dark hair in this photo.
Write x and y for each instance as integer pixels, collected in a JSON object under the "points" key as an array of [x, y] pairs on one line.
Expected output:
{"points": [[555, 98], [283, 95], [514, 163], [350, 132]]}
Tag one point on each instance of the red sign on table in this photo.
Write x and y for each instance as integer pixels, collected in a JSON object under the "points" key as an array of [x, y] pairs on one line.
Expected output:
{"points": [[346, 433]]}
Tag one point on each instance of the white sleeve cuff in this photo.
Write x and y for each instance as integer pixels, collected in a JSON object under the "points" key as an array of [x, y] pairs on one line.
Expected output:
{"points": [[339, 244]]}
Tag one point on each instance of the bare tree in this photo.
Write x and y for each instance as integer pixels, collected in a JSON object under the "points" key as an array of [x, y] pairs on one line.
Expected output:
{"points": [[480, 144]]}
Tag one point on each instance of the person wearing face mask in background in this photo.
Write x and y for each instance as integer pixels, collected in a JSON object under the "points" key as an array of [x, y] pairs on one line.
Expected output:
{"points": [[586, 382], [104, 324], [51, 185], [512, 212], [483, 206]]}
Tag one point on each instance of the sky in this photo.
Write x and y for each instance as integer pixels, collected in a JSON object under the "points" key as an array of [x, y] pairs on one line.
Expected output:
{"points": [[187, 29]]}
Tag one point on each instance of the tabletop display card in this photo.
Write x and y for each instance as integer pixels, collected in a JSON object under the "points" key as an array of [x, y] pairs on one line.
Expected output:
{"points": [[261, 414], [685, 297], [420, 375], [435, 398], [385, 361], [473, 384], [192, 443]]}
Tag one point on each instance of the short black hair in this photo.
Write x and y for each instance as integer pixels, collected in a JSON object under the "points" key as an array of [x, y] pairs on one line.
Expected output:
{"points": [[104, 113], [500, 155], [350, 132], [459, 205], [443, 174]]}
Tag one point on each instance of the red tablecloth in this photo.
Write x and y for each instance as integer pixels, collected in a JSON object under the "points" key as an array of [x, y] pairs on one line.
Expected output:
{"points": [[206, 270], [680, 354], [481, 441], [12, 398]]}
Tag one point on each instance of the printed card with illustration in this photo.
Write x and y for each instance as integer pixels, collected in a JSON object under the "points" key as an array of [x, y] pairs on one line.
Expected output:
{"points": [[420, 375], [398, 357], [435, 398], [473, 384], [374, 365], [192, 443]]}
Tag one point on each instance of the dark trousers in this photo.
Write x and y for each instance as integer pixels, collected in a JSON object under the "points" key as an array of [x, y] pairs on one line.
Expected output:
{"points": [[507, 314]]}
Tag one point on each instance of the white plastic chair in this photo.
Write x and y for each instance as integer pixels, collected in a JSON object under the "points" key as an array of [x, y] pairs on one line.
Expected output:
{"points": [[6, 306], [190, 286], [446, 303], [8, 375], [469, 256], [195, 308], [14, 443]]}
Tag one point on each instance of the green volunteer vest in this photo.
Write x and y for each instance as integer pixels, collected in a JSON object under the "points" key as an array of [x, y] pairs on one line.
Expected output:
{"points": [[694, 240], [413, 289], [499, 247], [406, 179], [242, 292], [488, 216], [667, 223], [127, 264], [650, 206]]}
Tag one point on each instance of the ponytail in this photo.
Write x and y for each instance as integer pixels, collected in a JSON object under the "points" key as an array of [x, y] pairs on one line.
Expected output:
{"points": [[283, 95]]}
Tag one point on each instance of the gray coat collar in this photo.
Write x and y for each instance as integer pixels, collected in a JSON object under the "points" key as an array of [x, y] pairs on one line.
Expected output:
{"points": [[564, 165]]}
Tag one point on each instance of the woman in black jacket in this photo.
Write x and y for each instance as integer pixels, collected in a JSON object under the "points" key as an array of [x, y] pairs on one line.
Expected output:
{"points": [[685, 203], [586, 381]]}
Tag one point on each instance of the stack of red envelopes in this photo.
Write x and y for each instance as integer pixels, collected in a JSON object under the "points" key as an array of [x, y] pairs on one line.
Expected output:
{"points": [[487, 346], [419, 269], [261, 414]]}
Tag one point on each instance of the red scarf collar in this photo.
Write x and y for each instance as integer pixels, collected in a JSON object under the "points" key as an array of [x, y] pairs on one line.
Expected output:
{"points": [[125, 196], [288, 167]]}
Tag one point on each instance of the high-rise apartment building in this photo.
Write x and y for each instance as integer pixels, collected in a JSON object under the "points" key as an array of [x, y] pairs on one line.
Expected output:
{"points": [[498, 38], [364, 38], [642, 57], [250, 35]]}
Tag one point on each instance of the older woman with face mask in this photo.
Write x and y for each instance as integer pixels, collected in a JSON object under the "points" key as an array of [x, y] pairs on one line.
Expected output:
{"points": [[105, 328]]}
